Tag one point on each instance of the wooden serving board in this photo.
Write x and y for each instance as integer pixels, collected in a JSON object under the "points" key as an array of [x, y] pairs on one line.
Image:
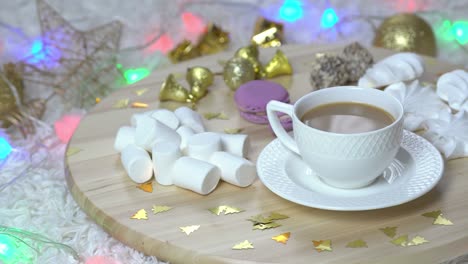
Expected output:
{"points": [[101, 187]]}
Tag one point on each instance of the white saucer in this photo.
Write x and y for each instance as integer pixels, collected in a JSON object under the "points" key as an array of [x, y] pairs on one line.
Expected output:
{"points": [[417, 168]]}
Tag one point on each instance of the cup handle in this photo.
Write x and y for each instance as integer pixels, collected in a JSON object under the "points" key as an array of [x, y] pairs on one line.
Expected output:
{"points": [[278, 129]]}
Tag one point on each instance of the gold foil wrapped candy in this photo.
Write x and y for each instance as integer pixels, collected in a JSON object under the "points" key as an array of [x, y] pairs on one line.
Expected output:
{"points": [[173, 91], [213, 41], [238, 71], [199, 78], [250, 53], [278, 65], [184, 51], [267, 33]]}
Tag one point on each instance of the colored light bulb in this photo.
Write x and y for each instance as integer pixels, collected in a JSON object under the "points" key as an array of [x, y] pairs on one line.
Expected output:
{"points": [[135, 75], [460, 31], [291, 10], [5, 148], [329, 18]]}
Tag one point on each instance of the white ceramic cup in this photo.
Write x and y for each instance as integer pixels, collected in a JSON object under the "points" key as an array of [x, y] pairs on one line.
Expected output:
{"points": [[341, 160]]}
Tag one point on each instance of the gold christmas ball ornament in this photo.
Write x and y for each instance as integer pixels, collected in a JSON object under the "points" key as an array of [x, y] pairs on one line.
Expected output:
{"points": [[406, 32], [199, 79], [250, 53], [238, 71], [173, 91]]}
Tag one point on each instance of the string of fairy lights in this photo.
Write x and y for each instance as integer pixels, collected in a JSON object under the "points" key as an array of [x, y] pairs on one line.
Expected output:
{"points": [[22, 246]]}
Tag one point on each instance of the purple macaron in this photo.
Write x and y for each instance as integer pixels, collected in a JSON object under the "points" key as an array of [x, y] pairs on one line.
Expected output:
{"points": [[252, 97]]}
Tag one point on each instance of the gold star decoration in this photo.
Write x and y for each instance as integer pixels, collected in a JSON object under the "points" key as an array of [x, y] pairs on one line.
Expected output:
{"points": [[261, 222], [243, 245], [72, 151], [438, 217], [277, 216], [160, 209], [77, 65], [140, 215], [432, 214], [189, 229], [141, 92], [122, 103], [400, 241], [212, 115], [233, 130], [282, 238], [359, 243], [417, 240], [441, 220], [322, 245], [389, 231], [226, 209], [265, 226], [147, 187]]}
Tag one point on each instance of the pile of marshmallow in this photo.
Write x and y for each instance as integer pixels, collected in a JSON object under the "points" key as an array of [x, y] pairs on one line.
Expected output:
{"points": [[176, 149]]}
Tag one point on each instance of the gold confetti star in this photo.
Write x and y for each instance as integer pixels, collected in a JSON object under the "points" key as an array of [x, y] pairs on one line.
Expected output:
{"points": [[417, 240], [233, 130], [226, 209], [140, 215], [265, 226], [122, 103], [282, 238], [400, 241], [140, 92], [72, 151], [189, 229], [322, 245], [160, 209], [389, 231], [232, 210], [243, 245], [432, 214], [359, 243], [260, 219], [212, 115], [441, 220], [277, 216], [147, 186]]}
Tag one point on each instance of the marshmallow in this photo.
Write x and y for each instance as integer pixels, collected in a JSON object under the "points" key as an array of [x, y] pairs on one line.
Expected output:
{"points": [[196, 175], [150, 131], [190, 118], [237, 144], [137, 163], [162, 115], [164, 156], [166, 117], [201, 146], [185, 133], [234, 169], [137, 116], [125, 136]]}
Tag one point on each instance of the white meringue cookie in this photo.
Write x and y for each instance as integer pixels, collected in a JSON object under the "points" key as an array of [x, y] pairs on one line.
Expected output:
{"points": [[452, 87], [419, 102], [403, 66], [448, 134]]}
